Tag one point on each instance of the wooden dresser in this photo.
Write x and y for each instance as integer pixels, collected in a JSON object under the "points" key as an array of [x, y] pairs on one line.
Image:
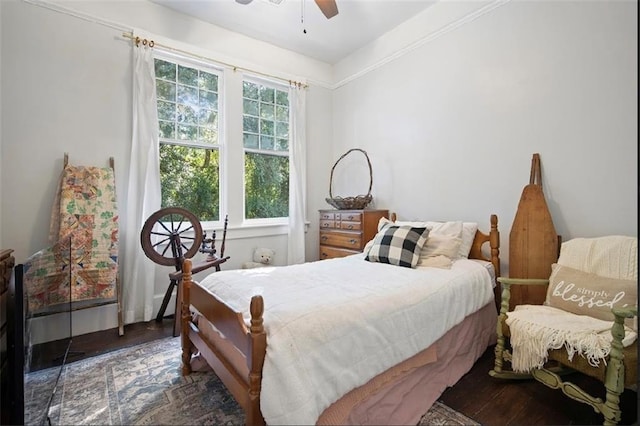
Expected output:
{"points": [[345, 232]]}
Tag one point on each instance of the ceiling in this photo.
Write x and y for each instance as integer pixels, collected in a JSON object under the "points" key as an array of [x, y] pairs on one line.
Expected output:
{"points": [[329, 40]]}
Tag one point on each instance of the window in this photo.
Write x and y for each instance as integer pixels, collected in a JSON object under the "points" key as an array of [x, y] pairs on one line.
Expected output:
{"points": [[265, 134], [189, 116], [211, 170]]}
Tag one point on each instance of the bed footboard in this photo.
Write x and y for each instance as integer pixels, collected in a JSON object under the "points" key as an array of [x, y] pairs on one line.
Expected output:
{"points": [[235, 352]]}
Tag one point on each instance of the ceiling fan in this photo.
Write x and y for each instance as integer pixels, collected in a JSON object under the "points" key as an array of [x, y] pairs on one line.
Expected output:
{"points": [[328, 7]]}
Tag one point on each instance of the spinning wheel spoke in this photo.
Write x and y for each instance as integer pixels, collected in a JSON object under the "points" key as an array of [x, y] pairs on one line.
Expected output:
{"points": [[172, 225], [165, 227], [166, 249]]}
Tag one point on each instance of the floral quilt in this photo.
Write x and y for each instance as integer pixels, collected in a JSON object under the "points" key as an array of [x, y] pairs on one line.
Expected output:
{"points": [[82, 264]]}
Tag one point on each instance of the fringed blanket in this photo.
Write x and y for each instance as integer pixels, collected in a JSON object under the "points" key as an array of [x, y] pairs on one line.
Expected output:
{"points": [[81, 265], [536, 329]]}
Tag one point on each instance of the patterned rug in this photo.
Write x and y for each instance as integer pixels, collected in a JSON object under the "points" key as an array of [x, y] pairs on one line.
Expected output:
{"points": [[142, 385]]}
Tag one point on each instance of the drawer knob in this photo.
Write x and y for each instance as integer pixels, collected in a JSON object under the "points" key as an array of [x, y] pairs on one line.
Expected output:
{"points": [[352, 241], [324, 238], [350, 227], [326, 225]]}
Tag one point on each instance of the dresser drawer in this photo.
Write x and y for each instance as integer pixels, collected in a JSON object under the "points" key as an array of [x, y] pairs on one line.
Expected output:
{"points": [[341, 239], [327, 252], [350, 217], [350, 226], [329, 216], [327, 224]]}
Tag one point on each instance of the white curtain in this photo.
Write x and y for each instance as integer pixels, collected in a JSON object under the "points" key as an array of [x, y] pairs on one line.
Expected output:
{"points": [[297, 177], [143, 195]]}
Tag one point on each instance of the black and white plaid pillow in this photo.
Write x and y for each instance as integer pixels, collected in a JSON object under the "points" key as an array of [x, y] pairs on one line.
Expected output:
{"points": [[398, 245]]}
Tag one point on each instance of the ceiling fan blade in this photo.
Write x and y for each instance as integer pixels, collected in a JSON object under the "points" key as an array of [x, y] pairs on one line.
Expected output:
{"points": [[328, 7]]}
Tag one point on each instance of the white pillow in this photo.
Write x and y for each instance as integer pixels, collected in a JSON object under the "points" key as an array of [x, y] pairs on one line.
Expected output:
{"points": [[465, 230], [438, 247]]}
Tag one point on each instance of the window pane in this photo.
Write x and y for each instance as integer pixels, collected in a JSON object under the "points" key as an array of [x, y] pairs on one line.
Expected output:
{"points": [[282, 113], [282, 145], [267, 94], [190, 179], [187, 95], [208, 135], [282, 130], [250, 140], [208, 81], [266, 127], [266, 186], [187, 133], [166, 90], [267, 111], [208, 99], [187, 75], [165, 70], [250, 90], [250, 124], [282, 98], [250, 107], [187, 114], [266, 142], [167, 130], [166, 110], [208, 118]]}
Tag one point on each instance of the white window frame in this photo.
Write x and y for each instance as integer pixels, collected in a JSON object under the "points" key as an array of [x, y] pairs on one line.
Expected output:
{"points": [[231, 143], [284, 220], [209, 67]]}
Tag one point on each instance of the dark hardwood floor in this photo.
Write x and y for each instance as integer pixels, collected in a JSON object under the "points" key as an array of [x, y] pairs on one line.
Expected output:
{"points": [[477, 395]]}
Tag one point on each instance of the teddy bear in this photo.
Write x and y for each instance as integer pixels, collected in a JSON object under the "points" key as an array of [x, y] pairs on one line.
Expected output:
{"points": [[261, 257]]}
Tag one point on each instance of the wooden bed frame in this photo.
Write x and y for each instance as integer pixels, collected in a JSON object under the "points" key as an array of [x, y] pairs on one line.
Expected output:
{"points": [[236, 352]]}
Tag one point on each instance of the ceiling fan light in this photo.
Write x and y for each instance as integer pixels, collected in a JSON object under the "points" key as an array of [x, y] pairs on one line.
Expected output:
{"points": [[244, 1]]}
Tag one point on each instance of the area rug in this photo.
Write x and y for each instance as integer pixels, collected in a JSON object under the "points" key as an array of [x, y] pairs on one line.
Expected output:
{"points": [[143, 385]]}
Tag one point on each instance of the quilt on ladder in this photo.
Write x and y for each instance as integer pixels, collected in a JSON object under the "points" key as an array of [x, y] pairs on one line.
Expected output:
{"points": [[82, 263]]}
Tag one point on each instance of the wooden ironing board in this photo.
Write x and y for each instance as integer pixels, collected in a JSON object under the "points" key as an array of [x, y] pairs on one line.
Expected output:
{"points": [[533, 242]]}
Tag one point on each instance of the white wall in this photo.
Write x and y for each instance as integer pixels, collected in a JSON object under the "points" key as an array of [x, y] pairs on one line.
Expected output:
{"points": [[451, 124], [450, 108], [66, 87]]}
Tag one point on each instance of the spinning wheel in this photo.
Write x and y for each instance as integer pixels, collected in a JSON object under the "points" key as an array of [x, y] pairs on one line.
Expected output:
{"points": [[171, 235]]}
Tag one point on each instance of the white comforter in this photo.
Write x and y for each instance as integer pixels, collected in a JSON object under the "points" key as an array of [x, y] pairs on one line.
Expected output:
{"points": [[333, 325]]}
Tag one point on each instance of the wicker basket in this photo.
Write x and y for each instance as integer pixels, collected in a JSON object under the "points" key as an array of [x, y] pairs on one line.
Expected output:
{"points": [[357, 202]]}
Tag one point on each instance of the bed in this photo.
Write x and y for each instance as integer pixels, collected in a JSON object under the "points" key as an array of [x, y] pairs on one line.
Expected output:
{"points": [[345, 340]]}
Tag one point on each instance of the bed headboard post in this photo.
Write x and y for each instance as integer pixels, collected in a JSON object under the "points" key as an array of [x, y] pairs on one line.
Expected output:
{"points": [[185, 315], [494, 242]]}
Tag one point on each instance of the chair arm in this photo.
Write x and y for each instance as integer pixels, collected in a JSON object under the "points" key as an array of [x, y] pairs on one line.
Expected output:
{"points": [[625, 312], [506, 283]]}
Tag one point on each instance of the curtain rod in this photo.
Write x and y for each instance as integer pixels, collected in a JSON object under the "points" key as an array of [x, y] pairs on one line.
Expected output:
{"points": [[137, 40]]}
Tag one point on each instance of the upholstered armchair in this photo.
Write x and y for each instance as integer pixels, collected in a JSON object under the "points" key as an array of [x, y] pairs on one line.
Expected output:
{"points": [[587, 324]]}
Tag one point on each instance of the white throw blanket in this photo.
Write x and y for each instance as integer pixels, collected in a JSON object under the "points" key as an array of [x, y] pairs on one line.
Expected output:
{"points": [[536, 329], [612, 256], [333, 325]]}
